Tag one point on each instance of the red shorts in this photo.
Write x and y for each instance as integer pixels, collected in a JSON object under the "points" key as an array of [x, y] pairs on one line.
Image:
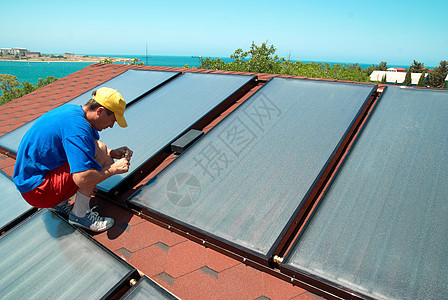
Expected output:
{"points": [[57, 187]]}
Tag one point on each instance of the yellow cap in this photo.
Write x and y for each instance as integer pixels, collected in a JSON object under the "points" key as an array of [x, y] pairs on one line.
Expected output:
{"points": [[113, 101]]}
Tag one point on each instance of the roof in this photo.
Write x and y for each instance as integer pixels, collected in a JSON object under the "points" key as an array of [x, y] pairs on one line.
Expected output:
{"points": [[377, 168], [396, 69], [180, 264]]}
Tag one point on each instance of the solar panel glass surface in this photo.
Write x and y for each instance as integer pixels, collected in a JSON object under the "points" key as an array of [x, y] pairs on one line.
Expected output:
{"points": [[381, 228], [159, 118], [46, 258], [147, 289], [243, 181], [11, 202]]}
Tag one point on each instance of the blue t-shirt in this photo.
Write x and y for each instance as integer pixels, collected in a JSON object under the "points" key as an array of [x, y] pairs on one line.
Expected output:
{"points": [[59, 136]]}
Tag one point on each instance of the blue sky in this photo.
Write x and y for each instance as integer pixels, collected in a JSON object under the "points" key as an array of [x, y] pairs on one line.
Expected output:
{"points": [[337, 31]]}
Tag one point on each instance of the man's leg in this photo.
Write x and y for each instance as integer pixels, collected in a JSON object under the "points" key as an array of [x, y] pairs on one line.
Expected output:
{"points": [[53, 193], [81, 208], [103, 158]]}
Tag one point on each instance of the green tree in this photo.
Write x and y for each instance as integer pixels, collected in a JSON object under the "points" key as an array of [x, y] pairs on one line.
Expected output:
{"points": [[422, 79], [384, 79], [262, 59], [106, 61], [136, 61], [381, 67], [11, 87], [259, 59], [417, 67], [408, 79], [437, 78], [214, 64], [43, 82]]}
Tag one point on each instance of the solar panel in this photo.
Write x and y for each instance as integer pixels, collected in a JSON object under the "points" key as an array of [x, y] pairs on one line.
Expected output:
{"points": [[160, 117], [11, 202], [145, 288], [131, 85], [244, 180], [46, 258], [381, 228]]}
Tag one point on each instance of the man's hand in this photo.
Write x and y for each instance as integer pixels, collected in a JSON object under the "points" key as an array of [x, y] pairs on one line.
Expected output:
{"points": [[116, 162], [90, 178], [122, 152], [120, 166]]}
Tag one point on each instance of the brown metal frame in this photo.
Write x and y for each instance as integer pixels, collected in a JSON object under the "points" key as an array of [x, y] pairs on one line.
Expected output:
{"points": [[199, 235], [286, 237], [322, 181], [310, 282], [122, 286], [306, 276], [8, 153], [320, 283]]}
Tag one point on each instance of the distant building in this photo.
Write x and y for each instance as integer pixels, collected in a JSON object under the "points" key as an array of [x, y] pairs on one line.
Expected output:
{"points": [[395, 76], [5, 51], [32, 54], [14, 51], [19, 52], [396, 69]]}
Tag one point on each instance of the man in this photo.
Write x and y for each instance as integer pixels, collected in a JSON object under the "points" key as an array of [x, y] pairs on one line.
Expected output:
{"points": [[61, 155]]}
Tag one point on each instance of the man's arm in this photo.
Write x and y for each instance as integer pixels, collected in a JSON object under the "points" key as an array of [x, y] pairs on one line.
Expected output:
{"points": [[87, 180]]}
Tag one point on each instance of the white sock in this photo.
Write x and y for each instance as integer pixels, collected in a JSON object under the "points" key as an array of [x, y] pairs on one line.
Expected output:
{"points": [[82, 204]]}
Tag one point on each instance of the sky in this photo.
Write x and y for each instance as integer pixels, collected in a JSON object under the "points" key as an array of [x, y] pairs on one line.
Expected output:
{"points": [[367, 32]]}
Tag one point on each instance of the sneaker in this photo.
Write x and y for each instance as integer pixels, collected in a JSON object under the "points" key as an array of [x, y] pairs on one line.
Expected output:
{"points": [[91, 221], [63, 209]]}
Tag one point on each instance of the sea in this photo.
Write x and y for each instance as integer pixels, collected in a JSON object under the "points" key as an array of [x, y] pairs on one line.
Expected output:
{"points": [[32, 71]]}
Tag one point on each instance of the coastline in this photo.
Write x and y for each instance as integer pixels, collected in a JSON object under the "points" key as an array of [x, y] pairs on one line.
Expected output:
{"points": [[68, 58]]}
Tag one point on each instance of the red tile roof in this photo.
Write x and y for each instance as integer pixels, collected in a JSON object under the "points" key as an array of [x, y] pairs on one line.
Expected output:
{"points": [[398, 69], [188, 269]]}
